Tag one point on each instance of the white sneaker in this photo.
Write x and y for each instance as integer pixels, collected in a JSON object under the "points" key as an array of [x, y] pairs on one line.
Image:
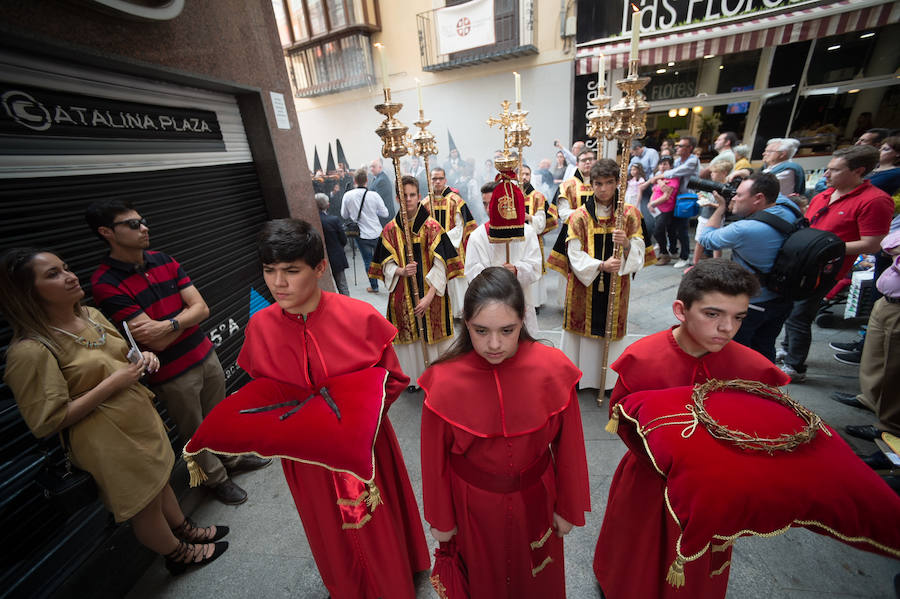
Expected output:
{"points": [[796, 377], [780, 354], [681, 263]]}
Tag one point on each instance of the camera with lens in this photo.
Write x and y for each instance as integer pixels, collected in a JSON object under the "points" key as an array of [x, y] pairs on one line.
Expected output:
{"points": [[726, 190]]}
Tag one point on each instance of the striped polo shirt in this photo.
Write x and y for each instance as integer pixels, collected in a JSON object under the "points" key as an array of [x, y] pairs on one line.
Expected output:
{"points": [[123, 290]]}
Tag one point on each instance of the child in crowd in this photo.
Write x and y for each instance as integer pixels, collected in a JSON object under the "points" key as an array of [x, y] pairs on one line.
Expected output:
{"points": [[635, 179], [718, 172], [663, 200]]}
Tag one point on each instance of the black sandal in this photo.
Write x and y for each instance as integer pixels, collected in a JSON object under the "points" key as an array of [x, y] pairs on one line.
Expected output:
{"points": [[185, 555], [190, 532]]}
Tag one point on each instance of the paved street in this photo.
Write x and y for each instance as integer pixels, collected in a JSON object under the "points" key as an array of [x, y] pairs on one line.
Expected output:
{"points": [[269, 556]]}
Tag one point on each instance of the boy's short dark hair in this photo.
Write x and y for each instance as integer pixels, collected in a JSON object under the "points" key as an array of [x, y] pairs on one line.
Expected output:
{"points": [[666, 159], [289, 239], [605, 168], [716, 275], [859, 156], [489, 187], [103, 213], [766, 184], [410, 180]]}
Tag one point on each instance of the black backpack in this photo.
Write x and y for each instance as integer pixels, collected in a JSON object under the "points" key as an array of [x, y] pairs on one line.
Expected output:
{"points": [[808, 260]]}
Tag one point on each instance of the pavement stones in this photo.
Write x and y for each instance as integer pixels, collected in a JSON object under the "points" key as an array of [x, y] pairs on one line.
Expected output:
{"points": [[270, 558]]}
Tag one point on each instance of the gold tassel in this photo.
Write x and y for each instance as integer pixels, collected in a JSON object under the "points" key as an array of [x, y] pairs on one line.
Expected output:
{"points": [[374, 498], [675, 577], [612, 427], [197, 475]]}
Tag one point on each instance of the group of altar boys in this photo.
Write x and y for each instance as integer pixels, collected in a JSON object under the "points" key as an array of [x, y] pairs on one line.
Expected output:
{"points": [[449, 249]]}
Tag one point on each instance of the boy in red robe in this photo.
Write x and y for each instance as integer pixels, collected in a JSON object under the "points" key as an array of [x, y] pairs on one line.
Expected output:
{"points": [[637, 538], [306, 337]]}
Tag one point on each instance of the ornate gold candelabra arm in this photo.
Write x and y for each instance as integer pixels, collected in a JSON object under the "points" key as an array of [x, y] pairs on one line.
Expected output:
{"points": [[424, 145], [393, 138], [519, 135]]}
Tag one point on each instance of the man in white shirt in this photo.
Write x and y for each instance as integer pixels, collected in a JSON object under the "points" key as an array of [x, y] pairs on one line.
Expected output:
{"points": [[363, 207]]}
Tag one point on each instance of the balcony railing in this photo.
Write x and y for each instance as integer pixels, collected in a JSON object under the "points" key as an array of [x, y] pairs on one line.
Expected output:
{"points": [[337, 65], [514, 26]]}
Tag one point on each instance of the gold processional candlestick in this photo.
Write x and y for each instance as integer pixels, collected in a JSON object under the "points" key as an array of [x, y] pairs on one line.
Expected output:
{"points": [[506, 121], [392, 133], [630, 122], [424, 145], [520, 136], [602, 121]]}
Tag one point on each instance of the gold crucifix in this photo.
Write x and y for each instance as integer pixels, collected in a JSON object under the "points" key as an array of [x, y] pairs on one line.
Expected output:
{"points": [[505, 121]]}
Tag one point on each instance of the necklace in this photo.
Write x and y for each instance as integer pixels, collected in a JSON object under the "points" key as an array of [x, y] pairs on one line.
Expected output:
{"points": [[82, 341]]}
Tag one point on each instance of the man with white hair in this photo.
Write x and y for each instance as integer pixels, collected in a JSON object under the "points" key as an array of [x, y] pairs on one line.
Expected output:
{"points": [[777, 158], [383, 185]]}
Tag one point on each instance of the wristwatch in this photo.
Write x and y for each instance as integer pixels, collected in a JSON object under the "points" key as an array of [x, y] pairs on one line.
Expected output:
{"points": [[175, 325]]}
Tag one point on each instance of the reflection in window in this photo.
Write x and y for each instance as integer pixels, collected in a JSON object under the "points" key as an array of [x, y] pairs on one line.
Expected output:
{"points": [[298, 20], [281, 21], [336, 13], [316, 16]]}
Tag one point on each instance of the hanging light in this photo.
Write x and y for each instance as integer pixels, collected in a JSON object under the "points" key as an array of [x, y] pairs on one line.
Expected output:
{"points": [[697, 109], [673, 112], [682, 111]]}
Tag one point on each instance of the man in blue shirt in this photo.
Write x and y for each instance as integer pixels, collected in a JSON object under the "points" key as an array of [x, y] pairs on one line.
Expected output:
{"points": [[754, 246]]}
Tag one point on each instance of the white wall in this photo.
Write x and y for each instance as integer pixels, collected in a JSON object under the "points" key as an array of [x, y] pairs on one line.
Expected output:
{"points": [[462, 105]]}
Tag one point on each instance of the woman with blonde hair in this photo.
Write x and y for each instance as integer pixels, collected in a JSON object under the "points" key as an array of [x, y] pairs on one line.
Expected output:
{"points": [[71, 374]]}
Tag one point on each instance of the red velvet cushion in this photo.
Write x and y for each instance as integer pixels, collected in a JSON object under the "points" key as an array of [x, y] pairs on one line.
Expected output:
{"points": [[717, 491], [313, 434]]}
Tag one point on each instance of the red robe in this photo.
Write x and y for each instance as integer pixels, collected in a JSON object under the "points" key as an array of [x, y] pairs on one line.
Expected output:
{"points": [[636, 545], [493, 416], [343, 335]]}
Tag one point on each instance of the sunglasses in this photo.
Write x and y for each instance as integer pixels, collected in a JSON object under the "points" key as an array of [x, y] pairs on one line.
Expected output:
{"points": [[133, 223]]}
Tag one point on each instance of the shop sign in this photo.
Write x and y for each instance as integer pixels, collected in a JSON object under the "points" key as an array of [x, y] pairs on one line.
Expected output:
{"points": [[670, 90], [29, 113], [668, 15]]}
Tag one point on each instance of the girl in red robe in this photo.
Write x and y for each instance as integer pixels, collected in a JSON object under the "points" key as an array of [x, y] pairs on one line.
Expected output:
{"points": [[503, 462]]}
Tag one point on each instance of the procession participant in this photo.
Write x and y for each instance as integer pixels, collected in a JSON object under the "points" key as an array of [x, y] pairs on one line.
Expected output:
{"points": [[544, 217], [712, 300], [584, 255], [504, 472], [439, 263], [519, 254], [450, 211], [576, 190], [305, 338]]}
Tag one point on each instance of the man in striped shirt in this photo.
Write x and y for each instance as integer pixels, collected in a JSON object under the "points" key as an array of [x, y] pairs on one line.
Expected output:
{"points": [[151, 292]]}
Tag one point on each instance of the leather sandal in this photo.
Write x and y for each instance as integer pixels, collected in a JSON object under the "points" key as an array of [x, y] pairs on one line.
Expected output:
{"points": [[190, 532], [188, 555]]}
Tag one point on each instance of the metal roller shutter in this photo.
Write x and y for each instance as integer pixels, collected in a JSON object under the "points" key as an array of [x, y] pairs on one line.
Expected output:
{"points": [[207, 218]]}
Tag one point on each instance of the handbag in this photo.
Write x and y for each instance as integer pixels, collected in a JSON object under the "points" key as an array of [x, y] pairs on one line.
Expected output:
{"points": [[351, 226], [66, 487], [686, 205], [448, 576]]}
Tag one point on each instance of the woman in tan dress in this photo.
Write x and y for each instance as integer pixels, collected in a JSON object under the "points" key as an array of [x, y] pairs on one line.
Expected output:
{"points": [[68, 369]]}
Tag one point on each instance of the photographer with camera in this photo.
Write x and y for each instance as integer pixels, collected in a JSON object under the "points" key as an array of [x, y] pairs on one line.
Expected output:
{"points": [[754, 246]]}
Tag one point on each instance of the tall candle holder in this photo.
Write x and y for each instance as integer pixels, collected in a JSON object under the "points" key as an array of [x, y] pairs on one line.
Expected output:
{"points": [[393, 133], [519, 136], [424, 145], [629, 122]]}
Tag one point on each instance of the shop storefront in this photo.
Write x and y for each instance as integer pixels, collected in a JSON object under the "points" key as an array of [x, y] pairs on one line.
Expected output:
{"points": [[814, 70]]}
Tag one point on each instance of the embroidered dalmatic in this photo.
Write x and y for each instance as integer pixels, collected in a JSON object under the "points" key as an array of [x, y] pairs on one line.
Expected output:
{"points": [[583, 243], [572, 194], [544, 216], [450, 211], [361, 551]]}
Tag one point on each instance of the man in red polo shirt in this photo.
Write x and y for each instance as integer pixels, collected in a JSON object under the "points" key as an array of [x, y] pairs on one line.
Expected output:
{"points": [[858, 213], [155, 296]]}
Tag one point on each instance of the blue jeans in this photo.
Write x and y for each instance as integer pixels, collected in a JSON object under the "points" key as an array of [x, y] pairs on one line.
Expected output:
{"points": [[761, 327], [367, 250]]}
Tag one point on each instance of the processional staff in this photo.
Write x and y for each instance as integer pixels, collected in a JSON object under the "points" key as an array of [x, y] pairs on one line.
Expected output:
{"points": [[625, 121], [392, 133]]}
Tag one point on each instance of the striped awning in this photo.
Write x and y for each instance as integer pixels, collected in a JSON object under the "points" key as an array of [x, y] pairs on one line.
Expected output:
{"points": [[815, 22]]}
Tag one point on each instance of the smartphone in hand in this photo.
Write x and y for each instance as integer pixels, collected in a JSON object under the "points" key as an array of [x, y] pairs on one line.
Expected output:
{"points": [[134, 354]]}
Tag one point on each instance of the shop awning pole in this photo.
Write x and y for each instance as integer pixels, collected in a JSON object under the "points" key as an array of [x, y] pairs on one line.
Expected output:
{"points": [[800, 87]]}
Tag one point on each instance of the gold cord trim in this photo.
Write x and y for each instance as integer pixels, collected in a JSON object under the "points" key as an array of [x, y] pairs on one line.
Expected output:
{"points": [[353, 502], [358, 525], [547, 561], [540, 543], [720, 570], [723, 547]]}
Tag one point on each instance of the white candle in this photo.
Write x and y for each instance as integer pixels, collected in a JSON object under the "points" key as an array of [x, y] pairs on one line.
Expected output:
{"points": [[384, 69], [635, 33], [518, 88], [419, 92], [601, 75]]}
